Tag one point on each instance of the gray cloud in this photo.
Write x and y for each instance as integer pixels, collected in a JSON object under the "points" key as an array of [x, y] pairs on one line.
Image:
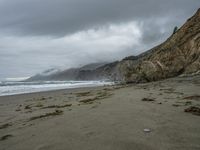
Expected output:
{"points": [[37, 35], [60, 17]]}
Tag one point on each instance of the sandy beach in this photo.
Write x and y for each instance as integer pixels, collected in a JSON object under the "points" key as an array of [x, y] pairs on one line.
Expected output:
{"points": [[160, 115]]}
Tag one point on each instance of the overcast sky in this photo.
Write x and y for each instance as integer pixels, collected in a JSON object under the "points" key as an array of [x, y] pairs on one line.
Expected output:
{"points": [[36, 35]]}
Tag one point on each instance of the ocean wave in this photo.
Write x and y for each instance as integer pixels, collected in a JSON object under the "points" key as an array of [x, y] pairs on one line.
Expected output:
{"points": [[18, 87]]}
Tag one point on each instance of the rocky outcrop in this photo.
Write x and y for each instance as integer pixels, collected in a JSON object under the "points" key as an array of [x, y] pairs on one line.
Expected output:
{"points": [[179, 54]]}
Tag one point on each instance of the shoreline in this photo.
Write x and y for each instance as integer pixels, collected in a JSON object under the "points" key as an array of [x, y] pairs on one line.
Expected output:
{"points": [[16, 89], [143, 116], [54, 90]]}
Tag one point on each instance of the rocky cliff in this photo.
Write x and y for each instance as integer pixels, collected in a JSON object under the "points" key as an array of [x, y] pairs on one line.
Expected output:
{"points": [[179, 54]]}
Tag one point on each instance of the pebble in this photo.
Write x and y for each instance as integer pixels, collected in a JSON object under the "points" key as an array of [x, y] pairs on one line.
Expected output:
{"points": [[147, 130]]}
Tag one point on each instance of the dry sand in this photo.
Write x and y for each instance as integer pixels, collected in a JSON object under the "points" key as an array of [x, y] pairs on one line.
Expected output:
{"points": [[104, 118]]}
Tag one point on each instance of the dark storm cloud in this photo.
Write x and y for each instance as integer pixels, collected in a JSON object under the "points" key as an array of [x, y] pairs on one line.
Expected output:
{"points": [[60, 17]]}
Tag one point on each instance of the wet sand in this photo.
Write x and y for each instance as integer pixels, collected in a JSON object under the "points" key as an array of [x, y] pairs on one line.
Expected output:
{"points": [[161, 115]]}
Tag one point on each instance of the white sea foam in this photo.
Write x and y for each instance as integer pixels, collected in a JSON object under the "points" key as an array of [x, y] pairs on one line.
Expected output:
{"points": [[17, 87]]}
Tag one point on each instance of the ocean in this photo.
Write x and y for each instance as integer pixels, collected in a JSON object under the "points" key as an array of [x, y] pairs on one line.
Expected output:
{"points": [[20, 87]]}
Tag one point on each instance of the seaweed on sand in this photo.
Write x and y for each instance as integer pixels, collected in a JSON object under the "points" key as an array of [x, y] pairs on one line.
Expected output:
{"points": [[194, 110], [193, 97], [27, 107], [55, 113], [83, 94], [3, 126], [5, 137], [57, 106], [89, 100], [148, 99]]}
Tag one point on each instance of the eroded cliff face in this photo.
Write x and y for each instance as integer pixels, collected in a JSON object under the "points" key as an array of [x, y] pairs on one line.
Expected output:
{"points": [[179, 54]]}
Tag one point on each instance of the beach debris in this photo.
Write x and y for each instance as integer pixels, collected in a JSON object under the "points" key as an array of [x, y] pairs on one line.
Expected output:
{"points": [[188, 103], [57, 106], [181, 103], [83, 94], [27, 107], [194, 97], [146, 130], [176, 105], [100, 95], [39, 105], [5, 137], [194, 110], [103, 94], [55, 113], [5, 125], [148, 99], [89, 100]]}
